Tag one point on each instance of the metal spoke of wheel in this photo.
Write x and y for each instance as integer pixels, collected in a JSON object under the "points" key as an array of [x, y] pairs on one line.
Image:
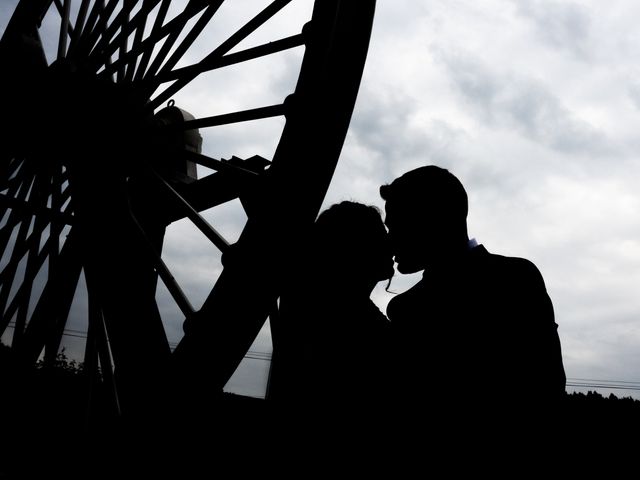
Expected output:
{"points": [[173, 37], [79, 26], [52, 335], [58, 198], [51, 251], [16, 173], [108, 44], [99, 24], [165, 274], [193, 214], [22, 205], [229, 118], [214, 190], [83, 38], [98, 334], [148, 45], [33, 240], [227, 45], [121, 22], [65, 28], [16, 254], [28, 207], [11, 185], [36, 258], [217, 165], [11, 269], [100, 28], [14, 216], [124, 43], [91, 366], [157, 24], [34, 264], [232, 58], [11, 167], [51, 310], [96, 318], [139, 25], [202, 22], [22, 295]]}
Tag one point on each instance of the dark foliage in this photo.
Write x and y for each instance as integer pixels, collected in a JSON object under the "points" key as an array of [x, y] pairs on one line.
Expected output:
{"points": [[46, 417]]}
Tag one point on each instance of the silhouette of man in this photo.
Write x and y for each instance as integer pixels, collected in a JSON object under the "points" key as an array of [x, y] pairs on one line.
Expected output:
{"points": [[477, 326]]}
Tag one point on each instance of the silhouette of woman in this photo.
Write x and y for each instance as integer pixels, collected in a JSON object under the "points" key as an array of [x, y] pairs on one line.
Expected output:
{"points": [[339, 355]]}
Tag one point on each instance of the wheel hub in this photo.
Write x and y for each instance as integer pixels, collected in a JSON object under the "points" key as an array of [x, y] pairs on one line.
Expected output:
{"points": [[82, 118]]}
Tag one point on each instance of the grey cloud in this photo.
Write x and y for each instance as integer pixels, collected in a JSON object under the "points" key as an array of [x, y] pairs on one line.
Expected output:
{"points": [[6, 10], [634, 94], [194, 261], [524, 104], [564, 25], [283, 81], [386, 126]]}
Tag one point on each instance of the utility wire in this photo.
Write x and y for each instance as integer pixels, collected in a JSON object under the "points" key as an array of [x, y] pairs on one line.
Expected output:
{"points": [[251, 354], [608, 385], [264, 356], [570, 379]]}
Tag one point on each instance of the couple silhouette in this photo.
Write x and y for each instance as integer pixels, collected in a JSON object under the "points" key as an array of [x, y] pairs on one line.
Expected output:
{"points": [[475, 325]]}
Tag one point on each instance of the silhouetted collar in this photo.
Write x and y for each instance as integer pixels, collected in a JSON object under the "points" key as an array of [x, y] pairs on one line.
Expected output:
{"points": [[475, 251]]}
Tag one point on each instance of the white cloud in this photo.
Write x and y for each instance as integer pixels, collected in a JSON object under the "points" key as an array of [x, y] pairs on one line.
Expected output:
{"points": [[522, 104], [560, 24]]}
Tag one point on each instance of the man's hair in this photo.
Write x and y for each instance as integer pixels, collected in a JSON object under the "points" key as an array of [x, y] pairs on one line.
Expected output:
{"points": [[429, 187]]}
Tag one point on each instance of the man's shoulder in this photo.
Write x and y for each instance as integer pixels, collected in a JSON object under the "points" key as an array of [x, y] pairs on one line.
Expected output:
{"points": [[509, 262], [512, 267]]}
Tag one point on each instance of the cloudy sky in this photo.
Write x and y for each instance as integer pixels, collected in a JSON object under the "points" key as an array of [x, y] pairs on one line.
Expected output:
{"points": [[533, 104]]}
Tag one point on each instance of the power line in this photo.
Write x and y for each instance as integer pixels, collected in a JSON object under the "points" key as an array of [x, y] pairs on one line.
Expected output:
{"points": [[571, 379], [599, 383], [609, 385], [264, 356], [251, 354]]}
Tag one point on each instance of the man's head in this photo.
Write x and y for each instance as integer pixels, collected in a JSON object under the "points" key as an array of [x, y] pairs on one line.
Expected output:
{"points": [[426, 214]]}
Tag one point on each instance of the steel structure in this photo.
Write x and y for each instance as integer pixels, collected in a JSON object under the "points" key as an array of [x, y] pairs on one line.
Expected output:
{"points": [[93, 169]]}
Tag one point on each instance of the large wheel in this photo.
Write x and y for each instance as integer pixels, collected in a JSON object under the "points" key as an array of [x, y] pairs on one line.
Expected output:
{"points": [[94, 166]]}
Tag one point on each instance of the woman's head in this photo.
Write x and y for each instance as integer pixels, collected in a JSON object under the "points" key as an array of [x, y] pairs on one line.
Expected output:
{"points": [[350, 239]]}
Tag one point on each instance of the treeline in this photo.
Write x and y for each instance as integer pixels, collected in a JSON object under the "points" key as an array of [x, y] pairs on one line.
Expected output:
{"points": [[596, 399], [45, 411], [66, 374]]}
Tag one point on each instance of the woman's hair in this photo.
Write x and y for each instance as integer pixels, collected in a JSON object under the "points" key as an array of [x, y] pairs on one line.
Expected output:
{"points": [[348, 233], [346, 224], [345, 227]]}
